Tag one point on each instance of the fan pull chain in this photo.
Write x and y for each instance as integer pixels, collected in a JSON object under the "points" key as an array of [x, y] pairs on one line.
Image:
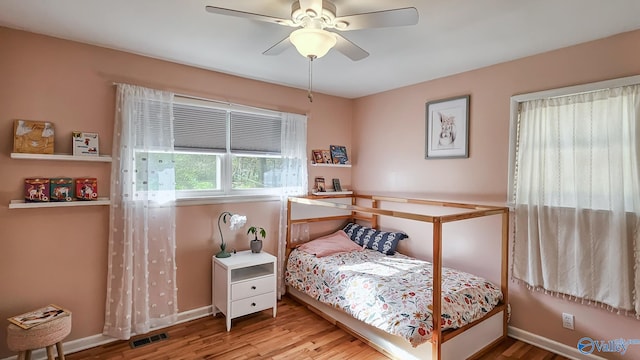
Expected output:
{"points": [[309, 95]]}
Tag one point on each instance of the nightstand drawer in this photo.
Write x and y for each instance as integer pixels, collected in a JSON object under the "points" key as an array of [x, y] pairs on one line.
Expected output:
{"points": [[245, 289], [253, 304]]}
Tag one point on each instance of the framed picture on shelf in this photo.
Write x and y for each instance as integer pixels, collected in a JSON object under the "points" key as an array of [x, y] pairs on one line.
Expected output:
{"points": [[336, 185], [326, 157], [339, 154], [447, 128]]}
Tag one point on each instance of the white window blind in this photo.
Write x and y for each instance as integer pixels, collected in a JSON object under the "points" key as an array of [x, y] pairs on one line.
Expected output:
{"points": [[247, 127], [203, 126], [200, 128]]}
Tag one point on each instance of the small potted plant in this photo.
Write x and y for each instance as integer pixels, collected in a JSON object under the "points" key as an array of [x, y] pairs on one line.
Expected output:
{"points": [[256, 244]]}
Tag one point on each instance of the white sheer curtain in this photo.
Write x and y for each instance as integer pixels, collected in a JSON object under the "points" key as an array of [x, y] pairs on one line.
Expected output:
{"points": [[577, 196], [141, 284], [294, 177]]}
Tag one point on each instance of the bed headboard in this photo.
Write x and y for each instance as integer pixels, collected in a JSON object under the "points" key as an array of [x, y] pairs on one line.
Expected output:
{"points": [[301, 211]]}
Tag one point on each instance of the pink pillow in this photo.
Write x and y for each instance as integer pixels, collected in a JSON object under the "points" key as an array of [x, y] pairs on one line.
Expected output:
{"points": [[338, 242]]}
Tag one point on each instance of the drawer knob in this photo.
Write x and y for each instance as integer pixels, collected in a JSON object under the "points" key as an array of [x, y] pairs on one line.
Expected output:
{"points": [[253, 288], [253, 304]]}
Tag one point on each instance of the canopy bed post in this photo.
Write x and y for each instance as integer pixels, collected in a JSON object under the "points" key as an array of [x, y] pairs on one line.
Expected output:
{"points": [[374, 218], [437, 289], [287, 248], [505, 269]]}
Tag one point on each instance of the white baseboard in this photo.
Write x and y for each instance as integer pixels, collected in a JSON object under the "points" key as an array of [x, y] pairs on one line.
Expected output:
{"points": [[570, 352], [99, 339], [194, 314]]}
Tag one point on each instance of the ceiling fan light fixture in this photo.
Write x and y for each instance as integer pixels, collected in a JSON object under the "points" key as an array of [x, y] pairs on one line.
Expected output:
{"points": [[312, 42]]}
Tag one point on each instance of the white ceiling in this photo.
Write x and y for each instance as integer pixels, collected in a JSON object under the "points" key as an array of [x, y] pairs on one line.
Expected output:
{"points": [[451, 36]]}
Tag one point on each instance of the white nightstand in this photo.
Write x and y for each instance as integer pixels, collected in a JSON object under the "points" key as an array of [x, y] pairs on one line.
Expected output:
{"points": [[243, 284]]}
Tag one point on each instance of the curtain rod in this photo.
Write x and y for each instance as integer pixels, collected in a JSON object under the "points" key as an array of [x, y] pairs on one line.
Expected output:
{"points": [[216, 101], [578, 89], [188, 96]]}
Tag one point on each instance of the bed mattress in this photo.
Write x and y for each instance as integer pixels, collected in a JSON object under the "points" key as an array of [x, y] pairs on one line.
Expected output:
{"points": [[391, 293]]}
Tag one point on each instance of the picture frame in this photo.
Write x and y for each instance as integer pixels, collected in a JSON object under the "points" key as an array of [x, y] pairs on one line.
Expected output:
{"points": [[447, 128]]}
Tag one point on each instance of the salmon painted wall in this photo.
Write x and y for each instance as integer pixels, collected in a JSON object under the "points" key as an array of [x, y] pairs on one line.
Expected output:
{"points": [[389, 145], [59, 255]]}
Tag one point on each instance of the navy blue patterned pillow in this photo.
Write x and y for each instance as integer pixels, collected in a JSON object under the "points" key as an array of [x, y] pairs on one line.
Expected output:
{"points": [[382, 241]]}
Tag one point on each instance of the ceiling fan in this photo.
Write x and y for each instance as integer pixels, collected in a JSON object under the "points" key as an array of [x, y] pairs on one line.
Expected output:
{"points": [[319, 26]]}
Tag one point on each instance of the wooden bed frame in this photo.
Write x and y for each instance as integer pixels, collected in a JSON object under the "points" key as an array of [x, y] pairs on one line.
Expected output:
{"points": [[466, 342]]}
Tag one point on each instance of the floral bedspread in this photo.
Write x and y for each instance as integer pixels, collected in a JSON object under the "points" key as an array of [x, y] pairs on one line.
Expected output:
{"points": [[392, 293]]}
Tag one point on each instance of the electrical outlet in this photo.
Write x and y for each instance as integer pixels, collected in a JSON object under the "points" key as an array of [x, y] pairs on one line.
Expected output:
{"points": [[567, 321]]}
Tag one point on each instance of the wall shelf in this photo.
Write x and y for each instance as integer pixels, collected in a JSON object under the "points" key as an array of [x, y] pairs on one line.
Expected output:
{"points": [[332, 193], [63, 157], [21, 204], [331, 165]]}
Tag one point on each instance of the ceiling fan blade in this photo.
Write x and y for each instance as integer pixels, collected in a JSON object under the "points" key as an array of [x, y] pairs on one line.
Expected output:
{"points": [[279, 47], [378, 19], [313, 5], [349, 49], [248, 15]]}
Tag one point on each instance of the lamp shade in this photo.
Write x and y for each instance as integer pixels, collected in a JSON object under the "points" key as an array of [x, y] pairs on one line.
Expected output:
{"points": [[312, 42]]}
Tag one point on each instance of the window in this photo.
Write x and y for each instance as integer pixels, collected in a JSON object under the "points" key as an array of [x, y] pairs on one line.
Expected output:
{"points": [[226, 149], [568, 146], [575, 187]]}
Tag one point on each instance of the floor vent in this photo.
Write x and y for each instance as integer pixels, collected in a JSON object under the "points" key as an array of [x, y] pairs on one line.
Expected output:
{"points": [[148, 340]]}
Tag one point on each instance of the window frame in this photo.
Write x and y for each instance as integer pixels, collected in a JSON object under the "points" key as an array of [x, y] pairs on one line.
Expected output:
{"points": [[226, 193]]}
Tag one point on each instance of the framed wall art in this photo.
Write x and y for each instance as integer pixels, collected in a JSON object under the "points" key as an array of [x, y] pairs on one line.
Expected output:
{"points": [[447, 128]]}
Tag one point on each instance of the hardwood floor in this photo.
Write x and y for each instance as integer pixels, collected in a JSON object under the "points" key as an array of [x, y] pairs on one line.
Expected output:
{"points": [[296, 333], [514, 349]]}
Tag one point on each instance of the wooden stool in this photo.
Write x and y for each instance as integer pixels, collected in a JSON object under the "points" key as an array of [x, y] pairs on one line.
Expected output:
{"points": [[44, 335]]}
